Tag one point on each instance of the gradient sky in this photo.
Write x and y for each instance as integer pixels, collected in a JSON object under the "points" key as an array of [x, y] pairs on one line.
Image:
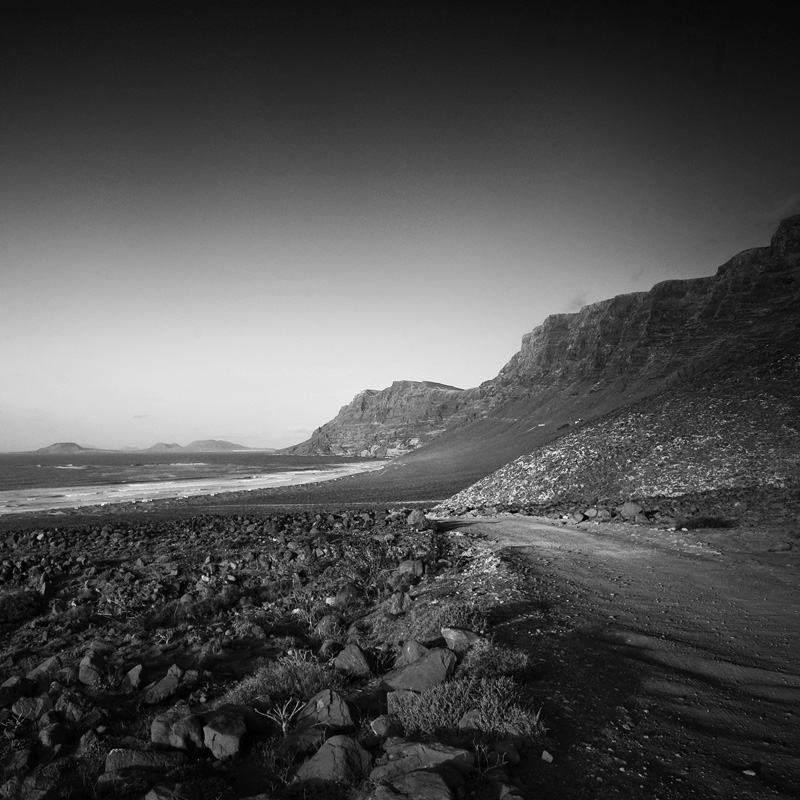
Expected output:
{"points": [[224, 220]]}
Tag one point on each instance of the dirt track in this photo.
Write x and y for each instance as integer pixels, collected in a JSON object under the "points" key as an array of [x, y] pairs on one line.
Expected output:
{"points": [[687, 644]]}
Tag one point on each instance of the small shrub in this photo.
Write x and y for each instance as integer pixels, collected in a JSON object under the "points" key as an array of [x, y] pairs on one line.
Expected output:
{"points": [[290, 677], [437, 712], [425, 620], [486, 659], [19, 605]]}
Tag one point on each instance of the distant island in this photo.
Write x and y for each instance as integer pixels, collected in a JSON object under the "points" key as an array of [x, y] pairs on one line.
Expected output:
{"points": [[198, 446]]}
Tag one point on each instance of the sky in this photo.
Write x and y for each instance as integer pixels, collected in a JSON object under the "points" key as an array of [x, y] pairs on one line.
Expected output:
{"points": [[223, 220]]}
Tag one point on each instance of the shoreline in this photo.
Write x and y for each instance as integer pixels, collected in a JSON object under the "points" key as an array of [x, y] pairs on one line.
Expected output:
{"points": [[38, 500]]}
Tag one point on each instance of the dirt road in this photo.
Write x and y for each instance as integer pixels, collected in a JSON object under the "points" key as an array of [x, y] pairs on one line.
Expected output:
{"points": [[676, 669]]}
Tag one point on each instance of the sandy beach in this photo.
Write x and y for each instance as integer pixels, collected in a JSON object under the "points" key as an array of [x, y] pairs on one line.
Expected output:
{"points": [[54, 498]]}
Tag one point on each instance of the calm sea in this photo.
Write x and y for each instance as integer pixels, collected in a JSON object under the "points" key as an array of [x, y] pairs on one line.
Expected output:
{"points": [[40, 481]]}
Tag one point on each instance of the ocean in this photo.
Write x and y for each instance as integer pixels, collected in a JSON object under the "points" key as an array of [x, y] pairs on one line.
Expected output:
{"points": [[45, 481]]}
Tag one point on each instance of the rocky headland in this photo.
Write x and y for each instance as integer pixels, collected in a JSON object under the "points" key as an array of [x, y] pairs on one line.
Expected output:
{"points": [[579, 367]]}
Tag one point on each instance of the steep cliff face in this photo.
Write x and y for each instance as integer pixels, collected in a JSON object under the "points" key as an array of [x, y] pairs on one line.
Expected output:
{"points": [[634, 343], [388, 422], [583, 365]]}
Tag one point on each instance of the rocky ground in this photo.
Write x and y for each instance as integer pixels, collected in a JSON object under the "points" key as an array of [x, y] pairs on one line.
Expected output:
{"points": [[284, 655]]}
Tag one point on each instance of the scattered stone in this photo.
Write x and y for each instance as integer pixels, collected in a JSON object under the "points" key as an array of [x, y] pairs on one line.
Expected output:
{"points": [[223, 733], [93, 668], [417, 520], [399, 603], [384, 726], [459, 640], [33, 787], [353, 661], [404, 757], [31, 708], [429, 670], [165, 688], [132, 680], [326, 708], [630, 510], [178, 728], [340, 760], [410, 651], [120, 759], [47, 667], [421, 785]]}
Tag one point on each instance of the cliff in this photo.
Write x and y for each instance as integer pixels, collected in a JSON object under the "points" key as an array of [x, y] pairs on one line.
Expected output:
{"points": [[581, 366], [388, 422]]}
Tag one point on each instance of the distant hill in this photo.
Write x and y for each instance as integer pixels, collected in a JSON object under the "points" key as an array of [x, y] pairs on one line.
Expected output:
{"points": [[202, 446], [63, 448], [213, 446]]}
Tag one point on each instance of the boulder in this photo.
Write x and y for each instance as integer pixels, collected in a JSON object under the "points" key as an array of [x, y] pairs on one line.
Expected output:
{"points": [[178, 728], [417, 520], [399, 603], [630, 510], [431, 669], [421, 785], [340, 760], [353, 661], [121, 759], [47, 667], [93, 668], [31, 708], [459, 640], [132, 680], [167, 687], [326, 708], [223, 733], [414, 567], [410, 651], [404, 757], [34, 787]]}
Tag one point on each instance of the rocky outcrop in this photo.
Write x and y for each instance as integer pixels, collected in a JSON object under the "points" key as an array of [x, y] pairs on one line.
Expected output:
{"points": [[580, 366], [388, 422]]}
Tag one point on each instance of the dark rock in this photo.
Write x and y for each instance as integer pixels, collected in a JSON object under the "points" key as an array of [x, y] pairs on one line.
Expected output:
{"points": [[34, 787], [328, 709], [459, 640], [421, 785], [399, 603], [223, 733], [410, 651], [353, 661], [165, 688], [431, 669], [630, 510], [32, 708], [121, 759], [417, 520], [178, 728], [340, 760], [404, 757], [132, 680], [93, 668]]}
